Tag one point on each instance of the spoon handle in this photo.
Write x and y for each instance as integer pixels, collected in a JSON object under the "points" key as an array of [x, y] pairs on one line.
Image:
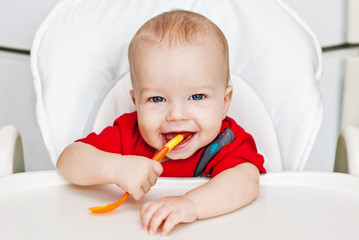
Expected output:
{"points": [[157, 157]]}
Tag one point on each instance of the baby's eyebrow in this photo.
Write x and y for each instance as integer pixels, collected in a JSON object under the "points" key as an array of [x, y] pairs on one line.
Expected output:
{"points": [[191, 89], [149, 89], [200, 88]]}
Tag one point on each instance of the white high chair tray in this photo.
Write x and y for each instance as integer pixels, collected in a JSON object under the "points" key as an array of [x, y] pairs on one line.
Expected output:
{"points": [[291, 205]]}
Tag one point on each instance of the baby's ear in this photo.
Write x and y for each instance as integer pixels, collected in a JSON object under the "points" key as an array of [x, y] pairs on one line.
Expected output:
{"points": [[227, 99], [132, 93]]}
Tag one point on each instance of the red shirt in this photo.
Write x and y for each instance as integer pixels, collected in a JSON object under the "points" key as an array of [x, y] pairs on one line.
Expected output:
{"points": [[124, 138]]}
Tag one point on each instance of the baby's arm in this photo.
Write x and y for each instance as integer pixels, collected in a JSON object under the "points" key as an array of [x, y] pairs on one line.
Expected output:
{"points": [[83, 164], [226, 192]]}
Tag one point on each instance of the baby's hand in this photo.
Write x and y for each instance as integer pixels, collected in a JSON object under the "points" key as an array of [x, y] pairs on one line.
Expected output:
{"points": [[170, 211], [136, 175]]}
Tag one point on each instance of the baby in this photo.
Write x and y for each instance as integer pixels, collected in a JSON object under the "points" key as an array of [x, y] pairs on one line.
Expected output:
{"points": [[180, 78]]}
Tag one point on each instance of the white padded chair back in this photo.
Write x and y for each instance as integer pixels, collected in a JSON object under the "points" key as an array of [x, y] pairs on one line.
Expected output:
{"points": [[246, 107], [80, 51]]}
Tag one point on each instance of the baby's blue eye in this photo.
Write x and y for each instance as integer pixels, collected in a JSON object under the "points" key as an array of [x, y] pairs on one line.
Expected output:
{"points": [[157, 99], [197, 97]]}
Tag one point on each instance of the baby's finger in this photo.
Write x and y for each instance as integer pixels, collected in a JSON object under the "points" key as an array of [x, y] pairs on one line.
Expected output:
{"points": [[169, 224], [153, 179], [158, 168], [138, 193], [158, 217], [146, 186], [146, 213], [145, 206]]}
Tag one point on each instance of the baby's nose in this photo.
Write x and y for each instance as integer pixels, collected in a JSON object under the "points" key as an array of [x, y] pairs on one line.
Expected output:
{"points": [[177, 112]]}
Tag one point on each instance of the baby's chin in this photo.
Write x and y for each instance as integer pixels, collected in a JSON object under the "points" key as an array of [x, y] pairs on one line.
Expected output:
{"points": [[173, 155]]}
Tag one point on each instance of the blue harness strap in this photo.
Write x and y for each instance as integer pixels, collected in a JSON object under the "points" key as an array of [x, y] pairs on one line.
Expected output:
{"points": [[225, 137]]}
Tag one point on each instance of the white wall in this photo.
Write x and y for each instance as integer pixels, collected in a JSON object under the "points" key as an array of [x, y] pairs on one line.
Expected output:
{"points": [[17, 107], [327, 18], [19, 20]]}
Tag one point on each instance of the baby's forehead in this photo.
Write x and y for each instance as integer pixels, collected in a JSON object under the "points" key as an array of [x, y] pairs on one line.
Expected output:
{"points": [[191, 82], [210, 45]]}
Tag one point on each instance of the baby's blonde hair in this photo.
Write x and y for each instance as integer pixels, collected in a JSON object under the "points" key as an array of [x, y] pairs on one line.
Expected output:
{"points": [[178, 28]]}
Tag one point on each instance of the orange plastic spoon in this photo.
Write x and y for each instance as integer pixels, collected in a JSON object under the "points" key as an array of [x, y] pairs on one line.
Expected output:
{"points": [[158, 156]]}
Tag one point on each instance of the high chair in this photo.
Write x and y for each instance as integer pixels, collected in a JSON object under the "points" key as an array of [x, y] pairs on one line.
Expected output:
{"points": [[347, 152], [11, 151], [80, 68]]}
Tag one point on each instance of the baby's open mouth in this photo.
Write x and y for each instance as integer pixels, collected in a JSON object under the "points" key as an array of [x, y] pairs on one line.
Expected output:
{"points": [[168, 136]]}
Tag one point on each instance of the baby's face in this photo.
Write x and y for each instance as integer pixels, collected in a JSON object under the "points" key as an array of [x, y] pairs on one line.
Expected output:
{"points": [[179, 89]]}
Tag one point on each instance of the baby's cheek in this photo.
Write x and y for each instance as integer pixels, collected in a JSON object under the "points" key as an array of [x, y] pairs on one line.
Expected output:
{"points": [[210, 133], [150, 135]]}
